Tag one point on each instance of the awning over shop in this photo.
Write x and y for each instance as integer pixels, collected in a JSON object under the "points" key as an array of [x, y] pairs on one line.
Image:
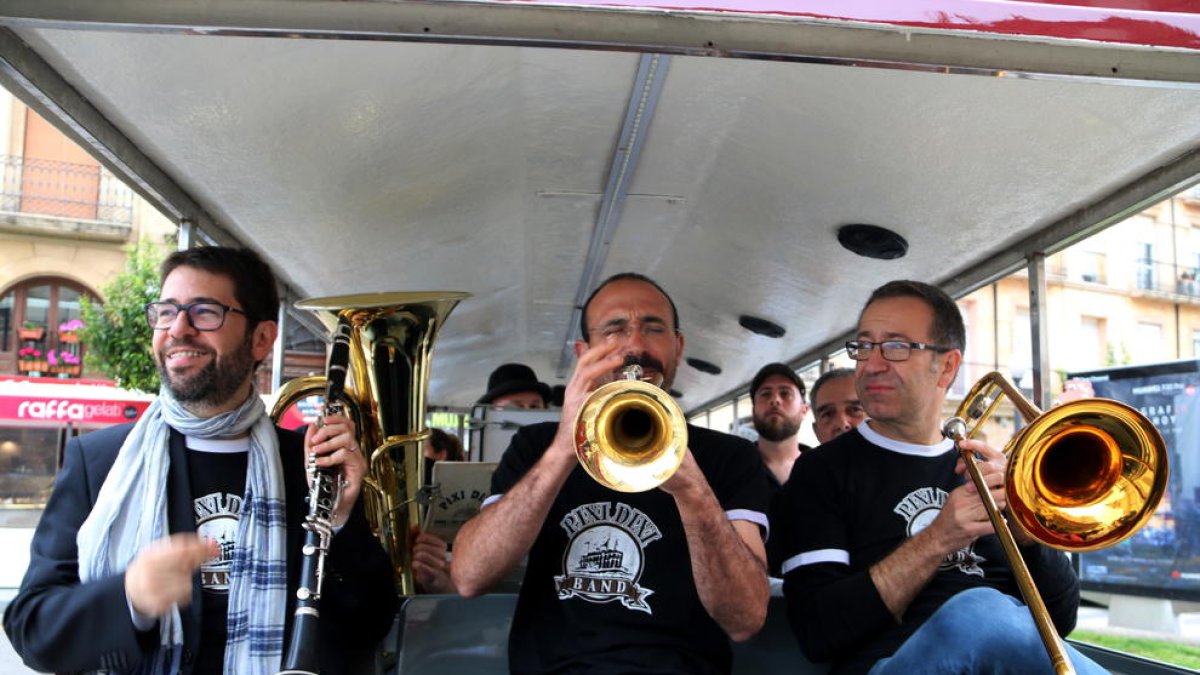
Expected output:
{"points": [[33, 401]]}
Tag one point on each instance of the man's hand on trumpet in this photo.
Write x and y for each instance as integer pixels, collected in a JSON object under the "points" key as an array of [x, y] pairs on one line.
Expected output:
{"points": [[596, 367]]}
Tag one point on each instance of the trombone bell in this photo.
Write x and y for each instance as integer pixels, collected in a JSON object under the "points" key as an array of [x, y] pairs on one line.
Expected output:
{"points": [[1082, 476], [1086, 475]]}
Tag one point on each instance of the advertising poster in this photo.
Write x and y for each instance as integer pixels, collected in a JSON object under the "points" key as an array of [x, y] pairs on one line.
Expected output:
{"points": [[1163, 558]]}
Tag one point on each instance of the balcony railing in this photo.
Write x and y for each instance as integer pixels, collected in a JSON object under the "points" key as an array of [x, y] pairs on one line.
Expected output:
{"points": [[63, 189], [1163, 277]]}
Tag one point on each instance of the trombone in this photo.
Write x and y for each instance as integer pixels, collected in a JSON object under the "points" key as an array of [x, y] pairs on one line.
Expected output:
{"points": [[1082, 476]]}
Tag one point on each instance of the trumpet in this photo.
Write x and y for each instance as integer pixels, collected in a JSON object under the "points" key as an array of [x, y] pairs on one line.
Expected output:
{"points": [[1083, 476], [630, 434]]}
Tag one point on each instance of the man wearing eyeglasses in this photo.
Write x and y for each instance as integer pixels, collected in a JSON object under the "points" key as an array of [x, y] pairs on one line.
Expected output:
{"points": [[881, 524], [617, 582], [172, 545]]}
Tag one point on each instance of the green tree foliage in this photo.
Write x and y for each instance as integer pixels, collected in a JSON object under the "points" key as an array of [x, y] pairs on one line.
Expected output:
{"points": [[116, 334], [1116, 355]]}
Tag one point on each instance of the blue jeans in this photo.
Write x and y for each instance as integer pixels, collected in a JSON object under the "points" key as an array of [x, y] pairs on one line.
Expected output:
{"points": [[978, 631]]}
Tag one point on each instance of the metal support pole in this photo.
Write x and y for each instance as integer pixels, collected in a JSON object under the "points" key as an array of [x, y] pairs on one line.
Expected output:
{"points": [[639, 112], [280, 346], [996, 325], [1038, 317], [187, 235]]}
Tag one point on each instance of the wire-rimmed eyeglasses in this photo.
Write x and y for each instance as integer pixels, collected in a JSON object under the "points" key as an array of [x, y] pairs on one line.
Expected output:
{"points": [[202, 315], [890, 350], [623, 330]]}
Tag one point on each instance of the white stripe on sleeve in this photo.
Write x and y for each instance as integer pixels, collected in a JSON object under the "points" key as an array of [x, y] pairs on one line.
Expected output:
{"points": [[825, 555], [756, 517]]}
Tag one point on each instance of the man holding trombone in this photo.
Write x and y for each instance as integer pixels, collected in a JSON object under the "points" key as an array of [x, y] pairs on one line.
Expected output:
{"points": [[656, 579], [890, 561]]}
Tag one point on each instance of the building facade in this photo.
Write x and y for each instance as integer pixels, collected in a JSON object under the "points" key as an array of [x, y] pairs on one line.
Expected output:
{"points": [[1125, 296], [66, 225]]}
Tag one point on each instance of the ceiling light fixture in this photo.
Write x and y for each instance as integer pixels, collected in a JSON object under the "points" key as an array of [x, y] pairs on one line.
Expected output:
{"points": [[704, 366], [760, 326], [872, 241]]}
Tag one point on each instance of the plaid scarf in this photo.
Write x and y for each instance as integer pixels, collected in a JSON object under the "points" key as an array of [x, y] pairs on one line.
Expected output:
{"points": [[131, 512]]}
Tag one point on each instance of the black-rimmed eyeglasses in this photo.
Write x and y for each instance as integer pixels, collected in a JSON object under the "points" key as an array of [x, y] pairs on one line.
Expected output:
{"points": [[202, 315], [890, 350]]}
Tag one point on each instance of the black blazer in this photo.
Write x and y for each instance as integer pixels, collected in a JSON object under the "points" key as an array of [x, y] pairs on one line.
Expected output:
{"points": [[56, 623]]}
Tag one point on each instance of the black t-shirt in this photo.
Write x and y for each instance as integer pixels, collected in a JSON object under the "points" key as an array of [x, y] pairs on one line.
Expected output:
{"points": [[774, 552], [850, 503], [608, 587], [217, 475]]}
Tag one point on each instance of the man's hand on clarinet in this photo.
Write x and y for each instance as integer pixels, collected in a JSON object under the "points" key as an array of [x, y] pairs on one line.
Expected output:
{"points": [[335, 445]]}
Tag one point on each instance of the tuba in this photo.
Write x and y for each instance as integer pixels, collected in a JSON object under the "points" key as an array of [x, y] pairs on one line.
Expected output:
{"points": [[630, 435], [391, 341], [1081, 476]]}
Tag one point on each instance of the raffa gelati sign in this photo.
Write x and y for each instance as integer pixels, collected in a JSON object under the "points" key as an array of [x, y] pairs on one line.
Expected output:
{"points": [[88, 411]]}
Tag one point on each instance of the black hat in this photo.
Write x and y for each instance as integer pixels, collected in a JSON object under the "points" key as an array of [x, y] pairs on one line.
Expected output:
{"points": [[513, 377], [776, 369]]}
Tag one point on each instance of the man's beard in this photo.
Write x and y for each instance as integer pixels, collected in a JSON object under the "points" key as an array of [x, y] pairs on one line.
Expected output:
{"points": [[215, 383], [777, 429]]}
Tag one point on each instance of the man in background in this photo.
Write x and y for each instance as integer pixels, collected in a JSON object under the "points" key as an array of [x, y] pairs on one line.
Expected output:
{"points": [[431, 570], [514, 385], [777, 394], [835, 404]]}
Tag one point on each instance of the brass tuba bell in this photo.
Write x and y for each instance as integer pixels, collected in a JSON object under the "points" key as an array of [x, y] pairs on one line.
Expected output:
{"points": [[630, 435], [391, 343]]}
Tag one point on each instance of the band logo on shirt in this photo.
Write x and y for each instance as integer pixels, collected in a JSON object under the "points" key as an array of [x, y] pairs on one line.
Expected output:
{"points": [[919, 508], [604, 558], [217, 519]]}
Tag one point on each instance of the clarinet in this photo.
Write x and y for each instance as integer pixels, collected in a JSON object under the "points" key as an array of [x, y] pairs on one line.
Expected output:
{"points": [[325, 488]]}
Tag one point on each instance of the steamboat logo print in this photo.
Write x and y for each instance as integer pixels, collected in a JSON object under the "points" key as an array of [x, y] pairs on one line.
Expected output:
{"points": [[605, 555], [217, 519], [919, 508]]}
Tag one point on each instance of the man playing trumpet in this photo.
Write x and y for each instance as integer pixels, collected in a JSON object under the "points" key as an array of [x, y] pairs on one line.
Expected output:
{"points": [[654, 581]]}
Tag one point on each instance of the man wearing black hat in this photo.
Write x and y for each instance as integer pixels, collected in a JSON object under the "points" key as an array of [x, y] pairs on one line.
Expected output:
{"points": [[514, 385], [779, 408]]}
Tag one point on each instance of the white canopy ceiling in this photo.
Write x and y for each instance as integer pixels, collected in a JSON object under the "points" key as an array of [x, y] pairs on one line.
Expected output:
{"points": [[361, 165]]}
